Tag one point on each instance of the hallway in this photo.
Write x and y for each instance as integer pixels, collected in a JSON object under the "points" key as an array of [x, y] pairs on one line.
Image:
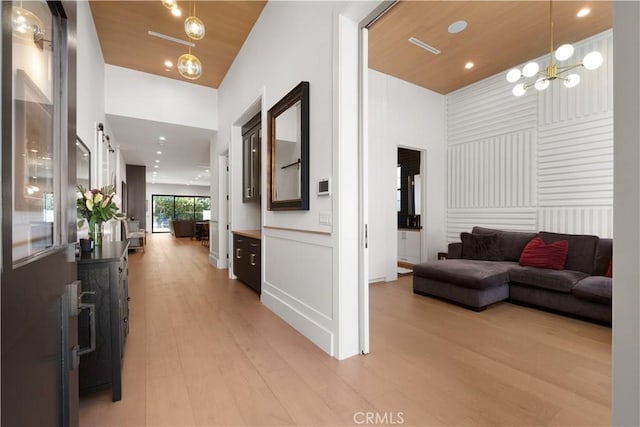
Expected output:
{"points": [[202, 350]]}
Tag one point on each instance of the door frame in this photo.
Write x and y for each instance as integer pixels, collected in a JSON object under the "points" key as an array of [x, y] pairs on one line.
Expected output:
{"points": [[363, 172]]}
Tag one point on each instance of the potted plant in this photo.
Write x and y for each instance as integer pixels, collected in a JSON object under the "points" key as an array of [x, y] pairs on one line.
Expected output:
{"points": [[97, 206]]}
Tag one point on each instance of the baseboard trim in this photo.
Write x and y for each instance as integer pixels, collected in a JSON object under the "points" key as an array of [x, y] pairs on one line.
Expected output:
{"points": [[216, 263], [316, 333]]}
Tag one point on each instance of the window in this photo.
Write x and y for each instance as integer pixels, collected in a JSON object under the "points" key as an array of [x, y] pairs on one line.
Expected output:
{"points": [[167, 208]]}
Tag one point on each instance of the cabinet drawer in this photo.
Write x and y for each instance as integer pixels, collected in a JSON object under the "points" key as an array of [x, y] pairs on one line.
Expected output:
{"points": [[247, 261]]}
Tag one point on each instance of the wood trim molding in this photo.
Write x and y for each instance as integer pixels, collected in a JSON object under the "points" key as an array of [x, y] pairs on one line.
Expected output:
{"points": [[323, 233]]}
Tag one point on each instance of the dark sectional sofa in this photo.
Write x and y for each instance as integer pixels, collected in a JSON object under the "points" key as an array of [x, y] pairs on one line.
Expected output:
{"points": [[476, 276]]}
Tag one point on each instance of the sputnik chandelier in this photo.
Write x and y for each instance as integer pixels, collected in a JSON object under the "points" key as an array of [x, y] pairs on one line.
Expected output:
{"points": [[541, 80]]}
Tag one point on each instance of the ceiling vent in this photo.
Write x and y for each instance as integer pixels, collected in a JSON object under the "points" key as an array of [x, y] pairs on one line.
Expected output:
{"points": [[171, 39], [423, 45]]}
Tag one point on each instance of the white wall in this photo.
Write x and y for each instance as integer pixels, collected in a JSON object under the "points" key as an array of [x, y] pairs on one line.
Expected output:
{"points": [[90, 81], [543, 161], [625, 400], [292, 42], [402, 114], [150, 97]]}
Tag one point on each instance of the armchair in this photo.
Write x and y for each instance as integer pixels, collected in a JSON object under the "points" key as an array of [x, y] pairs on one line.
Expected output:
{"points": [[132, 231]]}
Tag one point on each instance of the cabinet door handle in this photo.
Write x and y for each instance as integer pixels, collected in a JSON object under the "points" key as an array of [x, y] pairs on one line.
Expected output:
{"points": [[238, 253], [92, 327], [253, 259]]}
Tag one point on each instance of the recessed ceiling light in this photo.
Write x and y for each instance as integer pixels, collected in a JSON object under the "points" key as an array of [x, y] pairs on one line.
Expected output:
{"points": [[168, 64], [583, 12], [162, 138], [457, 27], [158, 152], [157, 161], [175, 11], [468, 65], [156, 166]]}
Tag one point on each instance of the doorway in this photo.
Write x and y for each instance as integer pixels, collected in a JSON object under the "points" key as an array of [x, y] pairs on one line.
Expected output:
{"points": [[409, 183]]}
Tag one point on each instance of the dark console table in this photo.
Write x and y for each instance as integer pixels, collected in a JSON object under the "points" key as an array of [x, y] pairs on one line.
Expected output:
{"points": [[104, 275], [246, 258]]}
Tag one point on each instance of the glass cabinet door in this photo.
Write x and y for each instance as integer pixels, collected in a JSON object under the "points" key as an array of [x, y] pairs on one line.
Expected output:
{"points": [[36, 131]]}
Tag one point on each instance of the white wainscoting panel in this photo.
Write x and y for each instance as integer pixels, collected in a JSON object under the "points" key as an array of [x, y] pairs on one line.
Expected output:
{"points": [[486, 109], [543, 161], [518, 219], [298, 282], [594, 94], [596, 220], [495, 172], [575, 162]]}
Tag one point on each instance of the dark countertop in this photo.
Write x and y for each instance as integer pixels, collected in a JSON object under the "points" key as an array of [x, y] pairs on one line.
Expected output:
{"points": [[109, 251]]}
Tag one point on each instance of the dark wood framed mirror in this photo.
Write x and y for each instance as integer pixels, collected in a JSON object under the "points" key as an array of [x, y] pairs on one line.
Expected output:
{"points": [[288, 151], [83, 164]]}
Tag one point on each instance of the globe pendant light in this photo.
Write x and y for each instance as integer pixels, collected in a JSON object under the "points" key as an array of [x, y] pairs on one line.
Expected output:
{"points": [[169, 4], [26, 25], [553, 71], [194, 27], [189, 66]]}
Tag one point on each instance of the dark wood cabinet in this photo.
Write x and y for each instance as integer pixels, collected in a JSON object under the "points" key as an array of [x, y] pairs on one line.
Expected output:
{"points": [[251, 137], [104, 274], [137, 194], [247, 260]]}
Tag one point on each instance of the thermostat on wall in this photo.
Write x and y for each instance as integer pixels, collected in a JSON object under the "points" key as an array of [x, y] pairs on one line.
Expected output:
{"points": [[324, 189]]}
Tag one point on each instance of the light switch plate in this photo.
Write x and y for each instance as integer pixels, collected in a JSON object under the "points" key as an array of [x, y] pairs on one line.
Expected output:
{"points": [[325, 218]]}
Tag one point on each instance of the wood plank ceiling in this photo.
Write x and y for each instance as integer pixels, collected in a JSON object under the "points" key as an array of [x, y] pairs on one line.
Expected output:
{"points": [[499, 36], [122, 30]]}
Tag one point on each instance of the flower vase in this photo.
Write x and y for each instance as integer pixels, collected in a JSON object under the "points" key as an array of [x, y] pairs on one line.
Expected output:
{"points": [[96, 234]]}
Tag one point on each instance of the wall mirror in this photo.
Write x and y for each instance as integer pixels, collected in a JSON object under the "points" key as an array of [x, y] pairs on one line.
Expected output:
{"points": [[83, 164], [288, 150]]}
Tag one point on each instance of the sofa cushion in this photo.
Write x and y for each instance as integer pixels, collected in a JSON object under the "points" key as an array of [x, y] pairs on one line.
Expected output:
{"points": [[594, 288], [466, 273], [539, 254], [604, 251], [481, 247], [582, 250], [555, 280], [609, 272], [511, 242]]}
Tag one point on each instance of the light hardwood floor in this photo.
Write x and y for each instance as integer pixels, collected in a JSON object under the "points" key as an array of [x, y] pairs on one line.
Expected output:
{"points": [[203, 351]]}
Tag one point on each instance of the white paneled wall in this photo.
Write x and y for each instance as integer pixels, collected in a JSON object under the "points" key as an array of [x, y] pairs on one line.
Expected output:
{"points": [[540, 162], [495, 172]]}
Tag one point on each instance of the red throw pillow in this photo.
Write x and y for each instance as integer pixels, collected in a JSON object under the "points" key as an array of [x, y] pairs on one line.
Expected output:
{"points": [[539, 254], [609, 272]]}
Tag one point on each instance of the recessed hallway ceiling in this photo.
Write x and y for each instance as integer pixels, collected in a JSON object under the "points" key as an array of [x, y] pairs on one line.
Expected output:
{"points": [[122, 28], [499, 35]]}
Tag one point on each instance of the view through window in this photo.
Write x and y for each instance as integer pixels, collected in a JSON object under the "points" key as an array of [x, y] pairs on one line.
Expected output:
{"points": [[166, 208]]}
